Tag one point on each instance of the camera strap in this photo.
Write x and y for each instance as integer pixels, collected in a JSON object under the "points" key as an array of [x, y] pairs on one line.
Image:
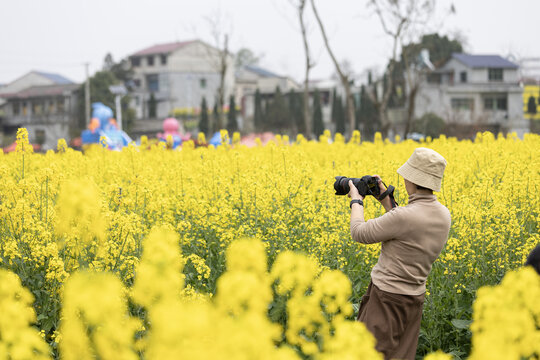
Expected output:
{"points": [[389, 192]]}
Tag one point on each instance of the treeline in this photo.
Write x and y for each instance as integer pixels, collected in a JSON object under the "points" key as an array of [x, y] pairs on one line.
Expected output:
{"points": [[282, 113]]}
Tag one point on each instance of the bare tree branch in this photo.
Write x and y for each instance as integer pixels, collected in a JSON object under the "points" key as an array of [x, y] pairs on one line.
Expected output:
{"points": [[398, 19], [344, 79], [219, 59], [300, 7]]}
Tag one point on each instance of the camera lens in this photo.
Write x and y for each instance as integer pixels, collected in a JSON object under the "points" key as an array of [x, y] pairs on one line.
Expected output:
{"points": [[341, 185]]}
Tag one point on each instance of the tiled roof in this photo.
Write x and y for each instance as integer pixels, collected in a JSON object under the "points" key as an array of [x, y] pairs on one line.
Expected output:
{"points": [[260, 71], [484, 61], [56, 78], [162, 48], [41, 91]]}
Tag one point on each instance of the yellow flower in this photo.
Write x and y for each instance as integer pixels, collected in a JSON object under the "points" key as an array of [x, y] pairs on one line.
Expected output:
{"points": [[18, 338], [159, 272], [94, 319], [79, 214], [61, 146]]}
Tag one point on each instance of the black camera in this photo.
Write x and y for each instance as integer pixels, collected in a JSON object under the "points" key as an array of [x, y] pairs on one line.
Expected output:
{"points": [[366, 185]]}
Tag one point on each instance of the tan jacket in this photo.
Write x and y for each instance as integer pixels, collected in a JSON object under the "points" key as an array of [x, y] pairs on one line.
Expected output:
{"points": [[412, 238]]}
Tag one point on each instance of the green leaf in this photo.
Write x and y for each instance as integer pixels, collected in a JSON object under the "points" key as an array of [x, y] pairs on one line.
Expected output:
{"points": [[461, 324]]}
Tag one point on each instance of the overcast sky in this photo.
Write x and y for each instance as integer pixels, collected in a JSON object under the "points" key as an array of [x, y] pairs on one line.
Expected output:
{"points": [[60, 35]]}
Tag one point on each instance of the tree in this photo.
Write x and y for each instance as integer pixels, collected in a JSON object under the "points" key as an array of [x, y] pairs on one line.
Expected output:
{"points": [[318, 125], [99, 92], [245, 57], [531, 106], [417, 59], [232, 124], [440, 49], [152, 106], [296, 112], [220, 58], [278, 115], [258, 115], [345, 80], [430, 124], [204, 125], [215, 118], [333, 115], [340, 116], [121, 70], [108, 62], [398, 18], [300, 6], [367, 116], [112, 74], [338, 113]]}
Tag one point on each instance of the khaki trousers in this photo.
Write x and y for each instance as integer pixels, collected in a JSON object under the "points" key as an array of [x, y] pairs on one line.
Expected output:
{"points": [[394, 320]]}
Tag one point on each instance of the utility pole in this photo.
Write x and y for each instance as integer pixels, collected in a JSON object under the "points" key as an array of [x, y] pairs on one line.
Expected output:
{"points": [[118, 91], [87, 96]]}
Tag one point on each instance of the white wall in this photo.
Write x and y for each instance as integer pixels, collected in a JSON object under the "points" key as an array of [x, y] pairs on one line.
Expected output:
{"points": [[180, 79]]}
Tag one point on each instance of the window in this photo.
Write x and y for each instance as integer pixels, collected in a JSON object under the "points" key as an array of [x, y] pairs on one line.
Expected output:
{"points": [[463, 76], [150, 60], [60, 105], [37, 107], [202, 82], [434, 78], [50, 107], [40, 137], [495, 74], [462, 103], [24, 108], [152, 81], [135, 61], [494, 103], [325, 95], [137, 82], [16, 108], [163, 59]]}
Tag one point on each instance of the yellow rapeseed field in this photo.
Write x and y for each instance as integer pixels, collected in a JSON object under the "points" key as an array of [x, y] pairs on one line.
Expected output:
{"points": [[245, 253]]}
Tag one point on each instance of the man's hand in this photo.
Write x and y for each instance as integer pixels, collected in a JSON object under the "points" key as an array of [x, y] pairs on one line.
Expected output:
{"points": [[381, 185], [386, 201], [353, 192]]}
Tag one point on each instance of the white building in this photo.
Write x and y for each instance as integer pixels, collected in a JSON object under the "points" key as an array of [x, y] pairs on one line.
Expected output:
{"points": [[479, 91], [178, 75], [44, 103]]}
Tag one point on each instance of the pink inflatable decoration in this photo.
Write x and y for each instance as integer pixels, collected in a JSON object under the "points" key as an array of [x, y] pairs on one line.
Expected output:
{"points": [[171, 127]]}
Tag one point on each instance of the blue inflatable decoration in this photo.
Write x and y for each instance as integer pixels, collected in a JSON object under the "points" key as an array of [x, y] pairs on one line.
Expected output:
{"points": [[104, 125]]}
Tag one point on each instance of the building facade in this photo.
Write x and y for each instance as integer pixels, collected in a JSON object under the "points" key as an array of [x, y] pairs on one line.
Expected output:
{"points": [[480, 92], [44, 103], [174, 77]]}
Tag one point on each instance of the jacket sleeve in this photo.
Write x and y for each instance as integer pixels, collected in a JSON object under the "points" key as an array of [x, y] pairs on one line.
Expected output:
{"points": [[383, 228]]}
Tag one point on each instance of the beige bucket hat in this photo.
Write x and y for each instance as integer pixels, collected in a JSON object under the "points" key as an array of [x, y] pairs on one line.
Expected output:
{"points": [[425, 167]]}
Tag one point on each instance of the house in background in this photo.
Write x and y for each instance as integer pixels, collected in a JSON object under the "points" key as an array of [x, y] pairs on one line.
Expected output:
{"points": [[248, 80], [44, 103], [474, 93], [173, 78]]}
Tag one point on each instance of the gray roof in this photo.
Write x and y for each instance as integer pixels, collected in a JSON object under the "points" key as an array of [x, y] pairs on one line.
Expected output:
{"points": [[42, 91], [56, 78], [261, 72], [484, 61]]}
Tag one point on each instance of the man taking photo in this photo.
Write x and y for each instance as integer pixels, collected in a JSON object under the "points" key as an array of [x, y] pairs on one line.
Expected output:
{"points": [[412, 238]]}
